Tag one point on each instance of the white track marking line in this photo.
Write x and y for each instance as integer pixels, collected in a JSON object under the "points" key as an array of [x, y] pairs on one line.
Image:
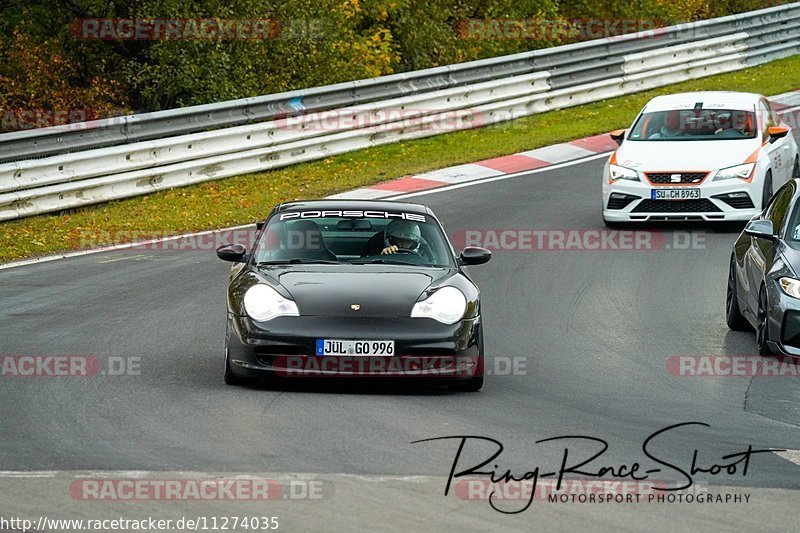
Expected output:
{"points": [[790, 455], [198, 474], [28, 474]]}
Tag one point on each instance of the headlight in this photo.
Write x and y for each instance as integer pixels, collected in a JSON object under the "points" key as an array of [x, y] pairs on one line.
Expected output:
{"points": [[790, 286], [447, 305], [743, 172], [262, 303], [621, 173]]}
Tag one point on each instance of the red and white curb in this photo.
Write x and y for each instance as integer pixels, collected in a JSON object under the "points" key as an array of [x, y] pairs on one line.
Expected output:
{"points": [[488, 168]]}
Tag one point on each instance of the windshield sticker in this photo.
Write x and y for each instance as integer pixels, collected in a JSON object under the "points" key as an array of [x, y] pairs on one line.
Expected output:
{"points": [[351, 214]]}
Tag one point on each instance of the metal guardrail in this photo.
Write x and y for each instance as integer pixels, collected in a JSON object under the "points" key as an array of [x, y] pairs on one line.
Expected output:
{"points": [[57, 169]]}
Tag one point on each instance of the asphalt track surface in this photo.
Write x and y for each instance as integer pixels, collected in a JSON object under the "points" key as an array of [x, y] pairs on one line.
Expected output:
{"points": [[594, 328]]}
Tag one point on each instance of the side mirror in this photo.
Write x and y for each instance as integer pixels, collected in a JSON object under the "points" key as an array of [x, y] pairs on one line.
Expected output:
{"points": [[474, 255], [618, 136], [760, 229], [260, 225], [777, 132], [234, 253]]}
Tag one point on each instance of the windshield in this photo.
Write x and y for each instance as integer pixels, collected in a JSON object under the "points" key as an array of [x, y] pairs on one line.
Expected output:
{"points": [[353, 237], [694, 125], [793, 230]]}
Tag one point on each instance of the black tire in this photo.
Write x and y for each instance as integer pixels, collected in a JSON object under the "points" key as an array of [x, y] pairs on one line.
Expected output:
{"points": [[796, 168], [733, 315], [473, 385], [762, 324], [767, 192]]}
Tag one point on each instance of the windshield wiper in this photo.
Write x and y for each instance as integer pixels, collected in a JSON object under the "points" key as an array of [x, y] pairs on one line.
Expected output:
{"points": [[298, 261]]}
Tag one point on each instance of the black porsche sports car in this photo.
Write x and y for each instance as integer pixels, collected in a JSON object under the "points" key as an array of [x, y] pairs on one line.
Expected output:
{"points": [[763, 285], [353, 288]]}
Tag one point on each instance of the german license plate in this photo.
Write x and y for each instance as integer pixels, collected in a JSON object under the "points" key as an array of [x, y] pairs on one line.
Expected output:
{"points": [[351, 347], [674, 194]]}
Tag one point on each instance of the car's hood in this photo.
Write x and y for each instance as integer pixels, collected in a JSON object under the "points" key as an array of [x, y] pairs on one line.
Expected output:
{"points": [[379, 291], [664, 156]]}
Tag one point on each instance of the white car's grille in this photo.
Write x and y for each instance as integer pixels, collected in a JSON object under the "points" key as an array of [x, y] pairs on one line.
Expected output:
{"points": [[663, 178]]}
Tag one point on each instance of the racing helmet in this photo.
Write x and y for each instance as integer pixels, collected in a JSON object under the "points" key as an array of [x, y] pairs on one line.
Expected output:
{"points": [[403, 232]]}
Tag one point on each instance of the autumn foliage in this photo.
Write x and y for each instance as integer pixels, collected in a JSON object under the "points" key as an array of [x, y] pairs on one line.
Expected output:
{"points": [[49, 72]]}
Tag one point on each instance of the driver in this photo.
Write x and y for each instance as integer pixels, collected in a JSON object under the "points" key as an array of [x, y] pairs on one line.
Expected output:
{"points": [[402, 235], [399, 236], [671, 126]]}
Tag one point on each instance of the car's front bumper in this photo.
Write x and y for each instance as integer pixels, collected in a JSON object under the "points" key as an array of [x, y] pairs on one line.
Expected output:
{"points": [[784, 322], [631, 202], [424, 348]]}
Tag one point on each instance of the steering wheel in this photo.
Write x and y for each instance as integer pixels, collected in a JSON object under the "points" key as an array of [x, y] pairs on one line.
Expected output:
{"points": [[405, 251]]}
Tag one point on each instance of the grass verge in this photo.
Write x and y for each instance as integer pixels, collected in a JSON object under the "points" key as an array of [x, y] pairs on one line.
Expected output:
{"points": [[244, 199]]}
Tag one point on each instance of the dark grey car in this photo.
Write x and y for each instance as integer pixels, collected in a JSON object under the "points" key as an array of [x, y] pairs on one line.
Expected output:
{"points": [[763, 284]]}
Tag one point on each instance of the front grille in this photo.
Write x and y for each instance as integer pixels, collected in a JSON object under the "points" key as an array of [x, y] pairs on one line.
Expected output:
{"points": [[281, 349], [676, 206], [281, 359], [744, 202], [790, 334], [666, 177], [620, 201]]}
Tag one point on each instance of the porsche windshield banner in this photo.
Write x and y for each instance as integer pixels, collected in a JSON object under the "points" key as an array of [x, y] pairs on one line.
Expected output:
{"points": [[352, 214]]}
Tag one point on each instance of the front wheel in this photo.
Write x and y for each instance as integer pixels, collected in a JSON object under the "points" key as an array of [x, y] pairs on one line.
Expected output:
{"points": [[762, 324], [733, 315]]}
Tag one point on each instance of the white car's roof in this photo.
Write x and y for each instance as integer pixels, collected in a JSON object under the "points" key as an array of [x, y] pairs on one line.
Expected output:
{"points": [[707, 98]]}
